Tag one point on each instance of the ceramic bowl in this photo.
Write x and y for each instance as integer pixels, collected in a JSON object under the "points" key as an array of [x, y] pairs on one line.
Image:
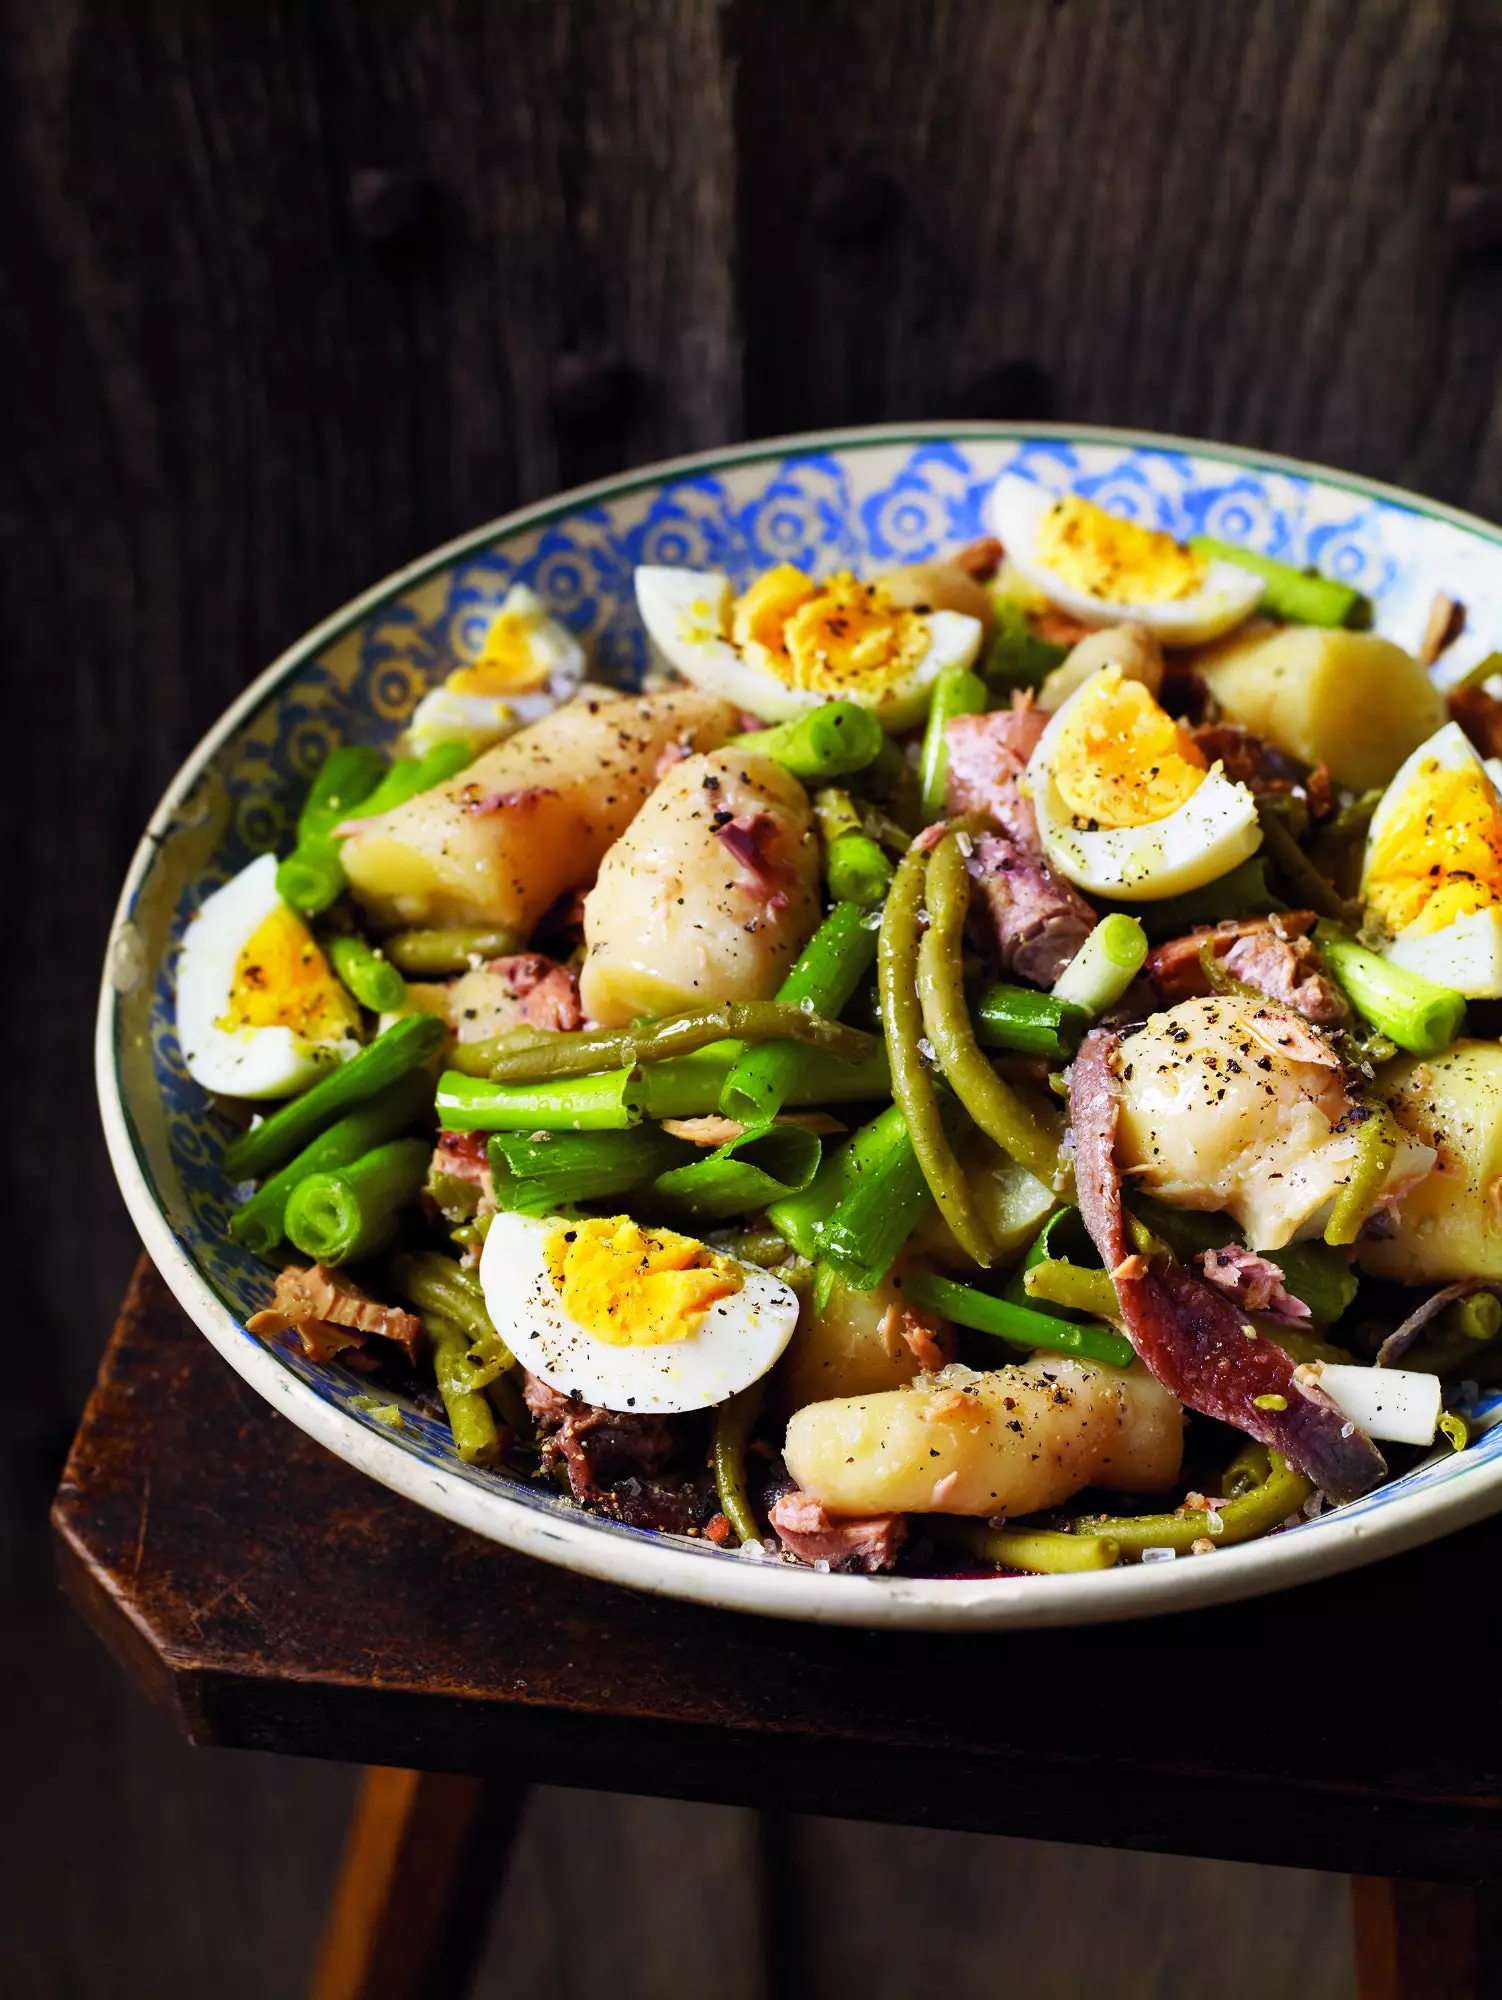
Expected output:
{"points": [[859, 499]]}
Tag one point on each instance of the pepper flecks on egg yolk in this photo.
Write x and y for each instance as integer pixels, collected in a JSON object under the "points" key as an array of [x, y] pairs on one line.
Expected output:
{"points": [[1120, 759], [833, 637], [282, 980], [508, 662], [1439, 853], [1118, 560], [635, 1287], [762, 612]]}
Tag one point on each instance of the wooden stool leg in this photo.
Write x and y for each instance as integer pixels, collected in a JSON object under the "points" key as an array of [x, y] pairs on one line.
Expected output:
{"points": [[1416, 1940], [425, 1857]]}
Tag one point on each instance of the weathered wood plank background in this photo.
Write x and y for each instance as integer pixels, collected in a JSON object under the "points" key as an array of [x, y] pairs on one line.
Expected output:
{"points": [[290, 292]]}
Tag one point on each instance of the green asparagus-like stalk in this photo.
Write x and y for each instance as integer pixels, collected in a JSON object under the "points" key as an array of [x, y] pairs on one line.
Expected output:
{"points": [[406, 1045]]}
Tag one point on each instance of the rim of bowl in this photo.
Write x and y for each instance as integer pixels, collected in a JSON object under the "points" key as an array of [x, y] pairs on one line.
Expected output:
{"points": [[661, 1564]]}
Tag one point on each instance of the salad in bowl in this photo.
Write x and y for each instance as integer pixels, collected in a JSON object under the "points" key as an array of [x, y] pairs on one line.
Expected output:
{"points": [[979, 1066]]}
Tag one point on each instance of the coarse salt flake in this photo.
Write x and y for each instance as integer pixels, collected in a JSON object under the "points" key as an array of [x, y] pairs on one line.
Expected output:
{"points": [[1159, 1555]]}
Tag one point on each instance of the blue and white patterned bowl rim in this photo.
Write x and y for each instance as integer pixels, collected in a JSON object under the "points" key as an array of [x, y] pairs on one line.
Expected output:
{"points": [[861, 498]]}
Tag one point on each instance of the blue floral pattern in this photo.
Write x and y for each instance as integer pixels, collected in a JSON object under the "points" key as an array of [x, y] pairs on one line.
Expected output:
{"points": [[864, 503]]}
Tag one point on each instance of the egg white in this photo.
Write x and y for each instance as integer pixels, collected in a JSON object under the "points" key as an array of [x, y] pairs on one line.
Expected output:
{"points": [[253, 1063], [1199, 841], [1466, 955], [687, 616], [445, 715], [738, 1339], [1015, 513]]}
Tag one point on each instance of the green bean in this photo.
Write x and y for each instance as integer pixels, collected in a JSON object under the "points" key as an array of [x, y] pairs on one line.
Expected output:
{"points": [[608, 1103], [1187, 1232], [1478, 1317], [409, 776], [861, 1236], [311, 878], [994, 1106], [1104, 966], [1059, 1283], [1309, 889], [1015, 1017], [423, 954], [366, 974], [1019, 1325], [764, 1165], [435, 1283], [1046, 1250], [259, 1222], [690, 1086], [1303, 1347], [1242, 891], [350, 1212], [831, 741], [798, 1217], [733, 1423], [957, 691], [1297, 596], [912, 1088], [1249, 1469], [406, 1045], [828, 970], [857, 870], [471, 1420], [1015, 657], [834, 810], [1378, 1138], [1323, 1280], [1410, 1010], [530, 1055], [1251, 1514], [540, 1176], [1039, 1550]]}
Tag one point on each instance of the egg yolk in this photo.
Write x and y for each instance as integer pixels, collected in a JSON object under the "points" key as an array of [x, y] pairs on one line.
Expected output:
{"points": [[1117, 560], [282, 980], [1439, 853], [508, 662], [762, 611], [1121, 760], [828, 637], [635, 1287]]}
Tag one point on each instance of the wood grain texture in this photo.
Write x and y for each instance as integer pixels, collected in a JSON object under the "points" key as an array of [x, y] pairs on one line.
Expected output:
{"points": [[290, 293], [1417, 1940], [485, 1663], [1224, 224]]}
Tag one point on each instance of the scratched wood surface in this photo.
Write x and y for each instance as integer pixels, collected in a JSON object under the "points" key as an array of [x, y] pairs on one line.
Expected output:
{"points": [[290, 293]]}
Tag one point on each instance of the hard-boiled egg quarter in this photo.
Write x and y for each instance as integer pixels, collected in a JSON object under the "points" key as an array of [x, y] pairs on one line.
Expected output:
{"points": [[1433, 867], [1124, 802], [259, 1010], [527, 664], [789, 643], [1106, 570], [630, 1318]]}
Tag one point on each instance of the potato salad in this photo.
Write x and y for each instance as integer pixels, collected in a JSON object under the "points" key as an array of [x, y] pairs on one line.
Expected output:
{"points": [[986, 1067]]}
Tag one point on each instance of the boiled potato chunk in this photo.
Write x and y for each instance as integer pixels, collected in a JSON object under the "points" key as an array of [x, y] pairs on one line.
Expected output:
{"points": [[939, 586], [529, 819], [1450, 1225], [1348, 700], [1009, 1441], [853, 1344], [1131, 647], [710, 894]]}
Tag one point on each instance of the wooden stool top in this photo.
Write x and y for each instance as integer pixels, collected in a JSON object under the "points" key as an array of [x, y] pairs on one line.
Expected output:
{"points": [[273, 1598]]}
